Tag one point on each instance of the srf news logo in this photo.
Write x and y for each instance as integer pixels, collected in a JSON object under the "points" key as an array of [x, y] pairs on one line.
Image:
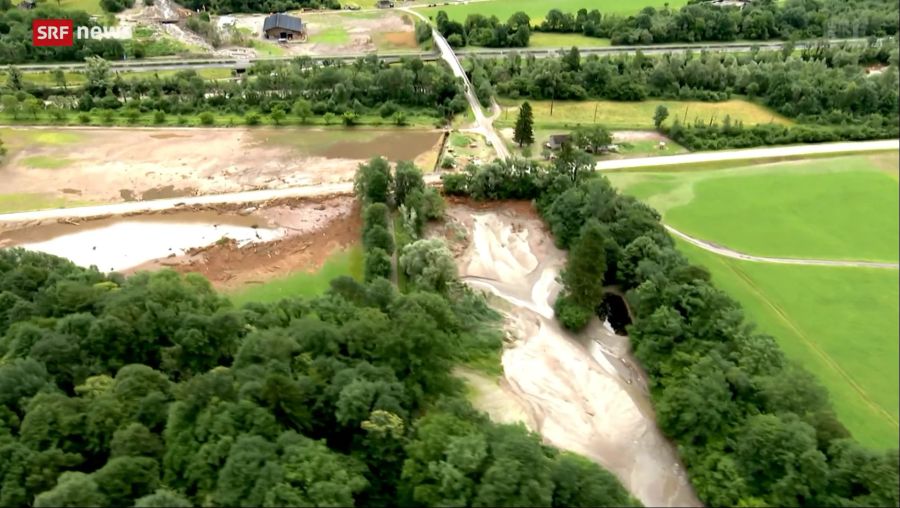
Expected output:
{"points": [[52, 32], [62, 32]]}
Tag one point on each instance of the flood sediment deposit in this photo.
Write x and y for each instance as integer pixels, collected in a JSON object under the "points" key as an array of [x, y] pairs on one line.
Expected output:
{"points": [[583, 392]]}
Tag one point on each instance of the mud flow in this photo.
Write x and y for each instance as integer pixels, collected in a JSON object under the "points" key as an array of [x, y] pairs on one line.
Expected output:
{"points": [[583, 392]]}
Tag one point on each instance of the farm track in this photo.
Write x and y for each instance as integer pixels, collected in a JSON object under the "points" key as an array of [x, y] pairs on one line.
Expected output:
{"points": [[258, 196], [724, 251]]}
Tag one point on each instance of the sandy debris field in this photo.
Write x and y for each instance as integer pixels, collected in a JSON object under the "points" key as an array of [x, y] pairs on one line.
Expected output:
{"points": [[581, 393], [113, 165], [231, 245]]}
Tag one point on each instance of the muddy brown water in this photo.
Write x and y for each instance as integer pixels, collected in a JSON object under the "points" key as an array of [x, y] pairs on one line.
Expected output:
{"points": [[119, 243], [159, 192], [392, 145]]}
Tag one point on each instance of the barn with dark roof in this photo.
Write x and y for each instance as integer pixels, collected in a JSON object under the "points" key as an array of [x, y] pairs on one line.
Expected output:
{"points": [[282, 26]]}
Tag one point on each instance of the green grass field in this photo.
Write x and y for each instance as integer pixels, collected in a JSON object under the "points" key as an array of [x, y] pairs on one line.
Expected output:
{"points": [[839, 323], [554, 40], [635, 115], [347, 262], [23, 202], [833, 208], [88, 6], [537, 9]]}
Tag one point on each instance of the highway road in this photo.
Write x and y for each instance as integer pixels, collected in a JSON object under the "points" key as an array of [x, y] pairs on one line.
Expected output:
{"points": [[235, 63]]}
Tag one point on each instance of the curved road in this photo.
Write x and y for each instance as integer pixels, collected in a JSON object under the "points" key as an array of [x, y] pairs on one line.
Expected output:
{"points": [[723, 251]]}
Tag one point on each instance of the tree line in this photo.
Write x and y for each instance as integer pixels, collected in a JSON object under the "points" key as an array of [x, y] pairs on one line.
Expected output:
{"points": [[756, 20], [827, 89], [753, 428], [487, 31], [153, 390], [301, 88]]}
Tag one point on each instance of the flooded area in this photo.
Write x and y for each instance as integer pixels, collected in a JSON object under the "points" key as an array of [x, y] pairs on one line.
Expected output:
{"points": [[231, 245], [583, 392], [59, 166]]}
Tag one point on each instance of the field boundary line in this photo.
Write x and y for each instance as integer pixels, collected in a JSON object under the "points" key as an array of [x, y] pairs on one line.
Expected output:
{"points": [[725, 251], [783, 316]]}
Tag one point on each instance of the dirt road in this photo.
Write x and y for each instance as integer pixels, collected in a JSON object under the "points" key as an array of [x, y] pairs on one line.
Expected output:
{"points": [[724, 251], [752, 153], [577, 391]]}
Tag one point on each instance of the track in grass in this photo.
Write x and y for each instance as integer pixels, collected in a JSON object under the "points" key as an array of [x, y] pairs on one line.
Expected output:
{"points": [[839, 208], [839, 323]]}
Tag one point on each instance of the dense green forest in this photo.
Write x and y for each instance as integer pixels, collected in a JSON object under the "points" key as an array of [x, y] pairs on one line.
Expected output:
{"points": [[487, 31], [827, 89], [155, 391], [756, 20], [299, 87], [753, 428]]}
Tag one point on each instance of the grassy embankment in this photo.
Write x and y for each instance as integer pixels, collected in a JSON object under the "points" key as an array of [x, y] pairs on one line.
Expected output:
{"points": [[345, 262], [841, 323]]}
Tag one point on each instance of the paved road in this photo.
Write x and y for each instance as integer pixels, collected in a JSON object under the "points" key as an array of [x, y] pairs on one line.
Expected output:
{"points": [[233, 63], [130, 207], [752, 153], [347, 187], [485, 124], [724, 251]]}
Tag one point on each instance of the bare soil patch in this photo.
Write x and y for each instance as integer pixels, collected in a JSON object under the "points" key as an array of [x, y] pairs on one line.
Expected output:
{"points": [[113, 165]]}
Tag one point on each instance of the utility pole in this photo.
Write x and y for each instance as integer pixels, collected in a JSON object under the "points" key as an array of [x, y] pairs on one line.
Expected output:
{"points": [[595, 111]]}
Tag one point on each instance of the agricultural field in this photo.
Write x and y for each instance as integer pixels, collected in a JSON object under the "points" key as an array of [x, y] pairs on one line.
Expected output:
{"points": [[48, 167], [555, 40], [840, 322], [74, 78], [537, 9], [635, 115], [833, 208], [346, 262]]}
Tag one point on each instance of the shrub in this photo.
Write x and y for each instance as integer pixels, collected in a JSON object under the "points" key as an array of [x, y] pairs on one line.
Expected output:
{"points": [[159, 117], [378, 237], [252, 119], [448, 162], [84, 118], [375, 215], [572, 316], [378, 264], [207, 118]]}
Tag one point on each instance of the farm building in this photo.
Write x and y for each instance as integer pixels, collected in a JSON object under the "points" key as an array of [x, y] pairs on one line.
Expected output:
{"points": [[384, 4], [282, 26]]}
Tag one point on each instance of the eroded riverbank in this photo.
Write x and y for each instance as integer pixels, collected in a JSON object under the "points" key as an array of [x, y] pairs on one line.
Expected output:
{"points": [[580, 392]]}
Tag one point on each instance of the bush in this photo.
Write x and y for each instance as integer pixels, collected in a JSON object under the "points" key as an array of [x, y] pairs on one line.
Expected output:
{"points": [[378, 237], [455, 184], [448, 162], [84, 118], [375, 215], [159, 117], [349, 118], [378, 264], [572, 316], [207, 118], [387, 109], [252, 119]]}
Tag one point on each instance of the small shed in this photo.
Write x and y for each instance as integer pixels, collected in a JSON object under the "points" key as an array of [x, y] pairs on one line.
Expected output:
{"points": [[283, 27], [556, 141], [27, 4], [384, 4]]}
